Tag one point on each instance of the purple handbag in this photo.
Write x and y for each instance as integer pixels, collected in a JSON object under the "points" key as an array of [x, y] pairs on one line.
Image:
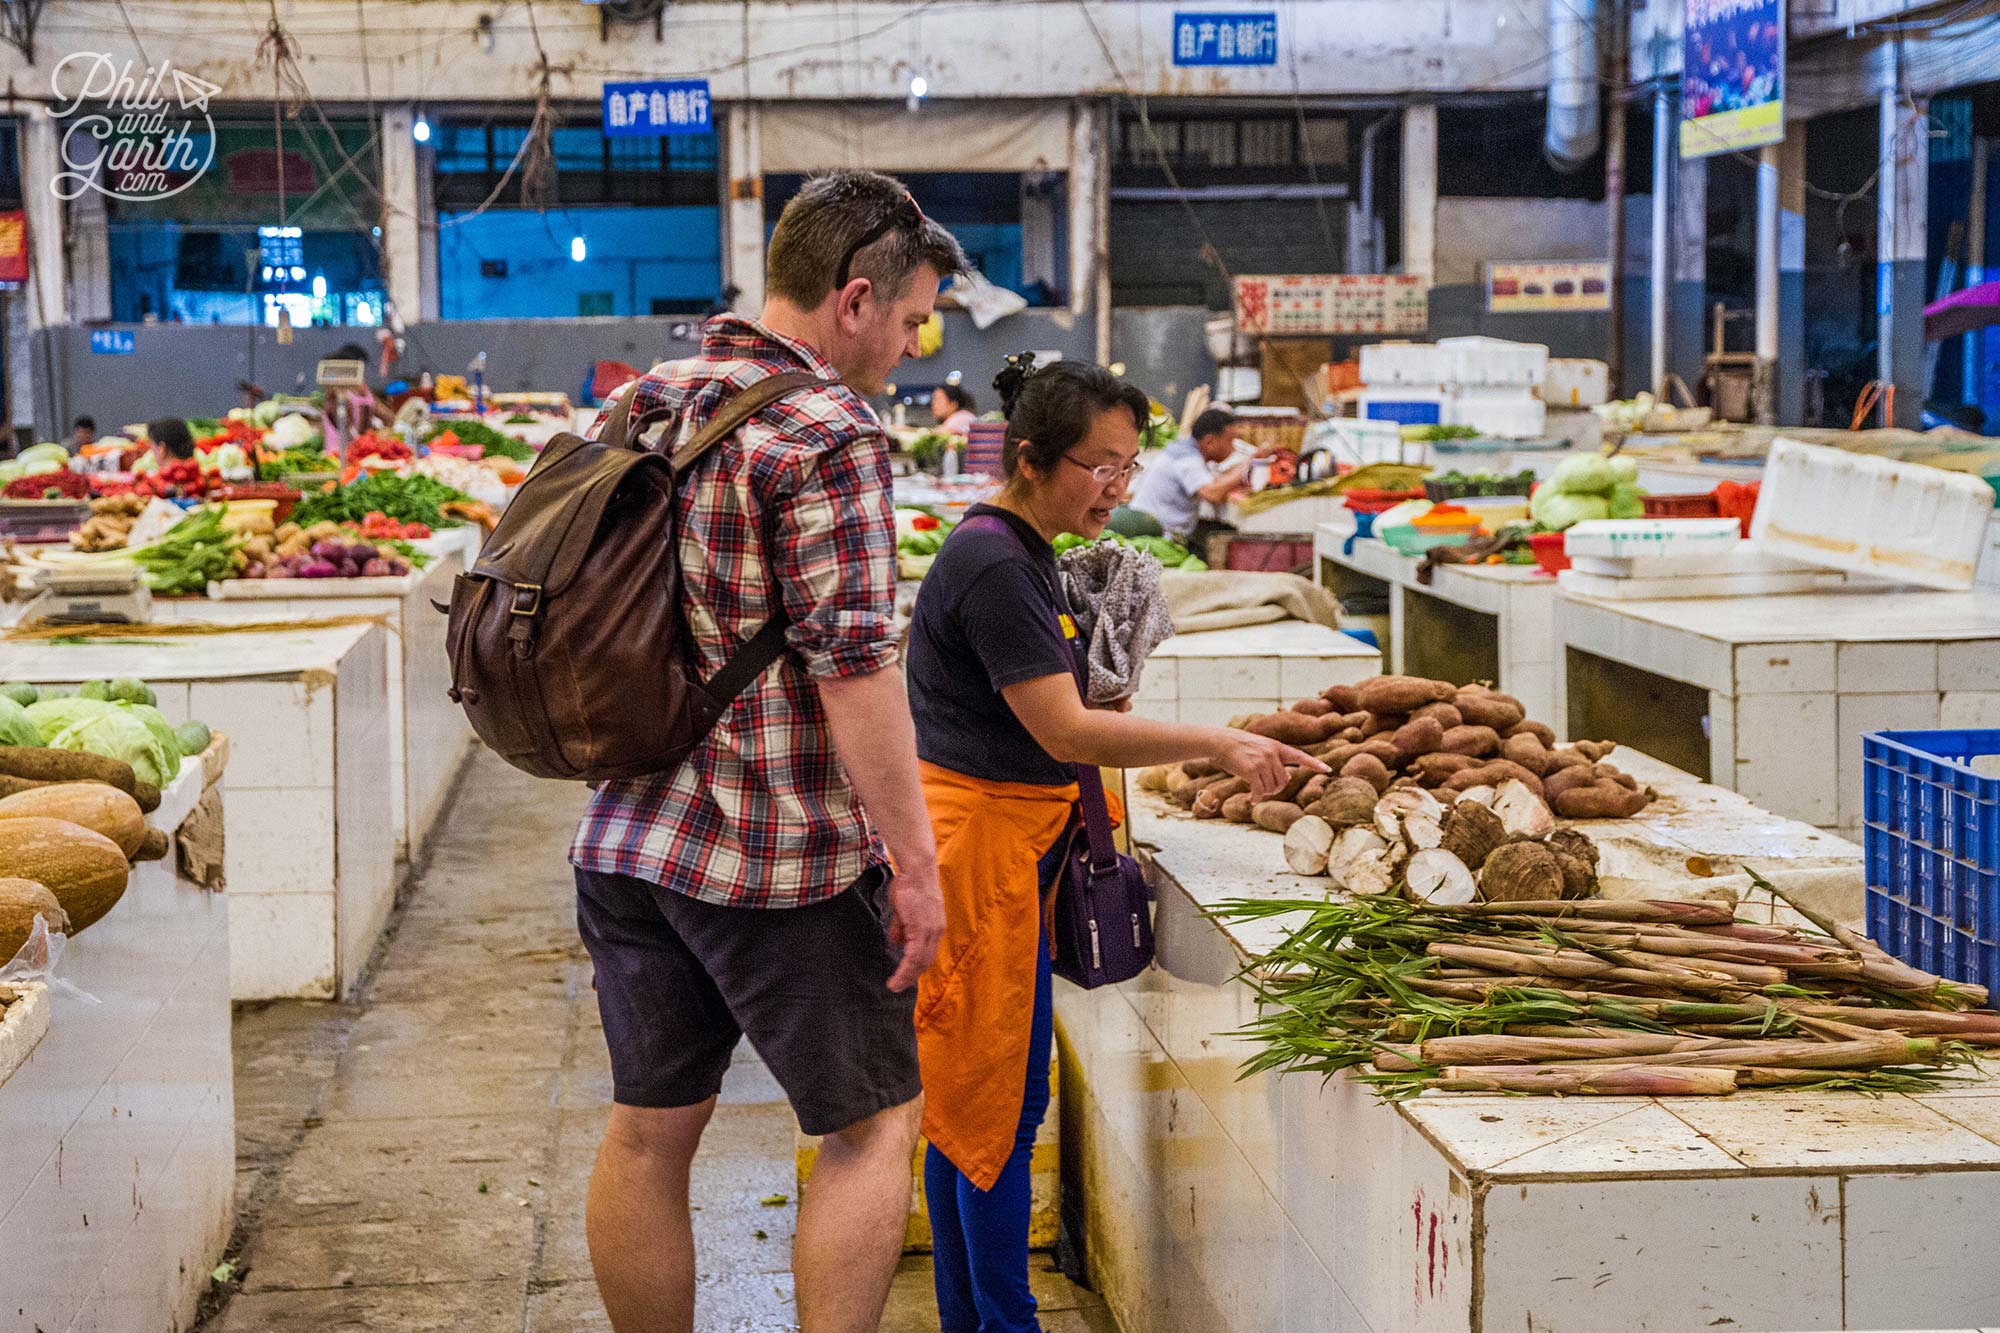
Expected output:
{"points": [[1103, 925]]}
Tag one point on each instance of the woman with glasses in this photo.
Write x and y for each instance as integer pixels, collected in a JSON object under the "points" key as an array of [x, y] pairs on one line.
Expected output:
{"points": [[1001, 727]]}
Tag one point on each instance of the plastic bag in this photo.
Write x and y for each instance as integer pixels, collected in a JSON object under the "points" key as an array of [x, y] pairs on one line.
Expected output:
{"points": [[38, 959]]}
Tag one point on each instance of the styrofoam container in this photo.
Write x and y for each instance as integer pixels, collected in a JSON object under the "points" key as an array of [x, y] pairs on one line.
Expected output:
{"points": [[1409, 407], [1576, 382], [1481, 362], [1512, 413], [1353, 440], [1404, 363], [1620, 538], [1684, 586], [1741, 558], [1901, 521]]}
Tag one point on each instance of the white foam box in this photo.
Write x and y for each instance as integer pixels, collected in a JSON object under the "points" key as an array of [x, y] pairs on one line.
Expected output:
{"points": [[1576, 382], [1902, 521], [1404, 363], [1740, 558], [1619, 538], [1488, 362], [1679, 586], [1510, 413]]}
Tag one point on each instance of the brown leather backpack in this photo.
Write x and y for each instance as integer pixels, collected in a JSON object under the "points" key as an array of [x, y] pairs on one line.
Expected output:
{"points": [[569, 647]]}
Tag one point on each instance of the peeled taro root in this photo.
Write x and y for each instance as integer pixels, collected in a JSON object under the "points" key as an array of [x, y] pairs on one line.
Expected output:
{"points": [[1436, 876], [1479, 795], [1522, 813], [1472, 833], [1521, 872], [1411, 815], [1359, 861], [1307, 842]]}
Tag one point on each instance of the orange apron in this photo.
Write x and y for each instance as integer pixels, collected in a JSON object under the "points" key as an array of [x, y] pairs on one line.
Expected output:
{"points": [[975, 1004]]}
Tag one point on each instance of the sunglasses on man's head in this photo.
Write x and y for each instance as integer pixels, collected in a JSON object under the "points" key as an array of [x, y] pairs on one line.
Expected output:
{"points": [[903, 214]]}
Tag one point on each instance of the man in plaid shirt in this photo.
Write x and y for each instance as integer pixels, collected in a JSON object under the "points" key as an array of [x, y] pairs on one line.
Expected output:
{"points": [[748, 892]]}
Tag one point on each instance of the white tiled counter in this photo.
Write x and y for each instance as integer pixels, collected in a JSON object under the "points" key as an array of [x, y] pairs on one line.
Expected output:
{"points": [[1289, 1202], [429, 735], [1212, 676], [1781, 687], [310, 851], [1471, 622], [117, 1179]]}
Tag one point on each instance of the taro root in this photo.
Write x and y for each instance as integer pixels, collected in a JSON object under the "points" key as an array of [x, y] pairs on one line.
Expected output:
{"points": [[1291, 728], [1335, 753], [1491, 773], [1237, 808], [1433, 769], [1419, 736], [1488, 709], [1412, 816], [1527, 751], [1343, 698], [1480, 795], [1402, 694], [1348, 800], [1369, 767], [1447, 715], [1295, 782], [1312, 707], [1577, 855], [1277, 816], [1530, 727], [1522, 812], [1208, 802], [1521, 872], [1381, 723], [1472, 833], [1306, 844], [1437, 876], [1359, 861], [1351, 734], [1474, 740]]}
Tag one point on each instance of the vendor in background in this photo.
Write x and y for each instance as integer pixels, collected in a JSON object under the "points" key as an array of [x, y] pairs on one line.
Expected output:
{"points": [[82, 432], [171, 439], [1001, 729], [955, 408], [350, 411], [1189, 475]]}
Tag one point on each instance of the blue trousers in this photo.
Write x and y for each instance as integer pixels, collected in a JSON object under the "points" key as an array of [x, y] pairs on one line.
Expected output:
{"points": [[979, 1237]]}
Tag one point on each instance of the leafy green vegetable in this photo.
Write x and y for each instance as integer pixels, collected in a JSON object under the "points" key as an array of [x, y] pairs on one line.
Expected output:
{"points": [[16, 727], [1168, 552], [1627, 501], [1161, 430], [1557, 510], [131, 690], [495, 443], [308, 458], [192, 737], [203, 426], [195, 552], [1429, 432], [413, 499], [120, 733], [927, 542], [21, 692], [163, 732], [520, 419], [94, 689], [1585, 474], [52, 717], [929, 447]]}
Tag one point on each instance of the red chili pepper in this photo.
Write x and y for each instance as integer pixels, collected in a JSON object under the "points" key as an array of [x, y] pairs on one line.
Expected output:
{"points": [[923, 523]]}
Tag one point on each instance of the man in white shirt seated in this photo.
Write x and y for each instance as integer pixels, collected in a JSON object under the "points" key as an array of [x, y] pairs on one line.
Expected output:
{"points": [[1189, 475]]}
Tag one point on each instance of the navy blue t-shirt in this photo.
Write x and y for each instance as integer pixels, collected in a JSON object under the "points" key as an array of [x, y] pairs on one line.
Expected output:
{"points": [[986, 618]]}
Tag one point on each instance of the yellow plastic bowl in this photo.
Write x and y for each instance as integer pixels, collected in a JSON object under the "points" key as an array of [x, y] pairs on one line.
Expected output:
{"points": [[249, 517]]}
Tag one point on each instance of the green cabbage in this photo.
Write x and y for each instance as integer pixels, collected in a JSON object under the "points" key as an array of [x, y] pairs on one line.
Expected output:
{"points": [[94, 689], [266, 412], [1557, 510], [1585, 474], [49, 452], [192, 737], [131, 690], [22, 693], [1625, 468], [54, 716], [292, 432], [118, 733], [15, 726], [163, 732], [1627, 501]]}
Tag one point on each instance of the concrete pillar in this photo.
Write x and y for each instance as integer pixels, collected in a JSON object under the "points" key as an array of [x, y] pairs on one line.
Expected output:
{"points": [[1791, 405], [1763, 382], [48, 274], [1090, 219], [1689, 337], [1040, 230], [1661, 276], [1904, 195], [743, 211], [1420, 191], [408, 227]]}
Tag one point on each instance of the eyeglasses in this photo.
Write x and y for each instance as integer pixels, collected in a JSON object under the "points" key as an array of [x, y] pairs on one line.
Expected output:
{"points": [[1106, 473], [903, 215]]}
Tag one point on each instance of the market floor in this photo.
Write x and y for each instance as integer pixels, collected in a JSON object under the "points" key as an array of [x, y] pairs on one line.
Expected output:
{"points": [[417, 1160]]}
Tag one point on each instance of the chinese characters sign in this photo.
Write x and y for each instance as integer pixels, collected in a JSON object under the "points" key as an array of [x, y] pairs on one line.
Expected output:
{"points": [[1732, 75], [1552, 285], [1225, 39], [1333, 303], [657, 108]]}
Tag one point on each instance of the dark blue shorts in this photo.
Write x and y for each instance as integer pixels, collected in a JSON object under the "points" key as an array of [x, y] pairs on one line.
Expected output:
{"points": [[679, 981]]}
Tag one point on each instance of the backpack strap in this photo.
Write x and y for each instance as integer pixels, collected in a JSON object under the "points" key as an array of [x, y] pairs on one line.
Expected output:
{"points": [[745, 405]]}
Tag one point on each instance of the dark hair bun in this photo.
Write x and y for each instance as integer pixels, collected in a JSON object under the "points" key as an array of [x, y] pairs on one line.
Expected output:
{"points": [[1009, 382]]}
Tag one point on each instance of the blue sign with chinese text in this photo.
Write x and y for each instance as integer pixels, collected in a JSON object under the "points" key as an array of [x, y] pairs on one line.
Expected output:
{"points": [[657, 108], [112, 342], [1225, 39]]}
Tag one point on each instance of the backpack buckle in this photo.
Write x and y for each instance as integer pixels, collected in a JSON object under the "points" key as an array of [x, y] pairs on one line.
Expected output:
{"points": [[527, 599]]}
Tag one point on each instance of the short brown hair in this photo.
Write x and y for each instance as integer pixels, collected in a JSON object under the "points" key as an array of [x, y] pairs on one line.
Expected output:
{"points": [[830, 213]]}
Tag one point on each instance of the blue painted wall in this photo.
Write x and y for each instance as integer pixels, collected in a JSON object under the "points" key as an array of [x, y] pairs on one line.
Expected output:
{"points": [[637, 255]]}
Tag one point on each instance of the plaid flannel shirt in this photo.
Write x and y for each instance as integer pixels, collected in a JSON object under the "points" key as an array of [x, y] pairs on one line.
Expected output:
{"points": [[796, 505]]}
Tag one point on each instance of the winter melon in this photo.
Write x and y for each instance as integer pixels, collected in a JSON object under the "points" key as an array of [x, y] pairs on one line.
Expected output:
{"points": [[84, 870], [96, 806], [20, 901]]}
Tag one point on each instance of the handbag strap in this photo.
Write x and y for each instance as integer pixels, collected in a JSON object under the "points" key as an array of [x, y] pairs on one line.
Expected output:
{"points": [[1089, 782]]}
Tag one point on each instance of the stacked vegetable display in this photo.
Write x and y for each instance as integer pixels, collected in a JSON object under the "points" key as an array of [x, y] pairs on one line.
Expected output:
{"points": [[1588, 486], [78, 775], [1171, 554], [1614, 998]]}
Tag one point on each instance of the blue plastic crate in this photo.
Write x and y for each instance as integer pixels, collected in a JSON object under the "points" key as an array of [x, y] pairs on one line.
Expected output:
{"points": [[1932, 847]]}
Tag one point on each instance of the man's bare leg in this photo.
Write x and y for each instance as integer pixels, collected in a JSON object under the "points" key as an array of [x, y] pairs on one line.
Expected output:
{"points": [[641, 1238], [851, 1222]]}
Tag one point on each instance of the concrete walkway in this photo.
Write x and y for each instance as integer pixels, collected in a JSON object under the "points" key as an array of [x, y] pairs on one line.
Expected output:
{"points": [[416, 1161]]}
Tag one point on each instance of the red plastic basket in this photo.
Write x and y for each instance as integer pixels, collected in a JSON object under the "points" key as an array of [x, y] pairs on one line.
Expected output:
{"points": [[1362, 500], [1681, 506], [1551, 551]]}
